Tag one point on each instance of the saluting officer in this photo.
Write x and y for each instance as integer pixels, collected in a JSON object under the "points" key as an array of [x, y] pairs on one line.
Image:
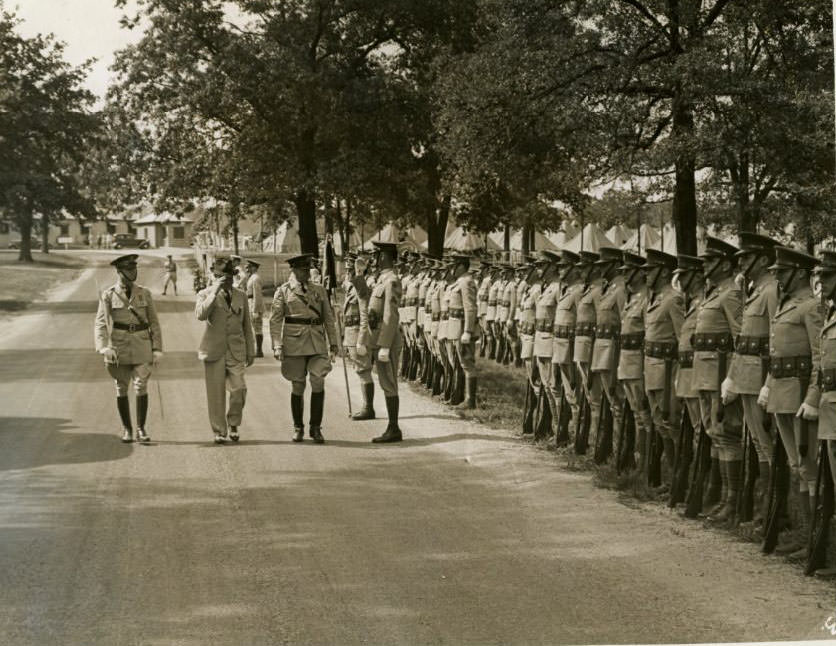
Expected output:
{"points": [[663, 323], [128, 336], [384, 334], [750, 362], [255, 299], [792, 390], [363, 283], [227, 348], [631, 355], [718, 324], [462, 326], [304, 339]]}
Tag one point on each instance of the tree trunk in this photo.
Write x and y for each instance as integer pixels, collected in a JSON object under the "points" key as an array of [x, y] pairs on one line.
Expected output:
{"points": [[506, 239], [45, 233], [436, 228], [25, 225], [525, 242], [746, 218], [306, 213], [684, 212], [234, 223]]}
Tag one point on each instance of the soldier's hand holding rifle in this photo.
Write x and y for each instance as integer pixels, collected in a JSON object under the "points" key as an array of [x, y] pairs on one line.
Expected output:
{"points": [[726, 394], [465, 338], [763, 397], [807, 412]]}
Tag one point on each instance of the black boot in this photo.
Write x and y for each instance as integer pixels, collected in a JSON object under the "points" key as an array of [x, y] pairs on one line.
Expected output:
{"points": [[449, 376], [317, 402], [124, 408], [469, 401], [259, 339], [436, 386], [459, 386], [392, 432], [714, 490], [297, 410], [367, 412], [141, 414]]}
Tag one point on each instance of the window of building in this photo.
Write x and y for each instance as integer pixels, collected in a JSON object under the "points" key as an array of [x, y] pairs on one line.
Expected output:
{"points": [[179, 233], [111, 227], [65, 229], [4, 227]]}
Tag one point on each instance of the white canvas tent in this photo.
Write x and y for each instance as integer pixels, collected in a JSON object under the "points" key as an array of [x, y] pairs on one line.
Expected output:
{"points": [[462, 240], [568, 230], [590, 239], [284, 240], [620, 235], [647, 237]]}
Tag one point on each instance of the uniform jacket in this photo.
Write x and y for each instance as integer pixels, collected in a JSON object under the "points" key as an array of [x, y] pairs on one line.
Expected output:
{"points": [[509, 302], [608, 323], [254, 295], [444, 304], [482, 295], [170, 267], [381, 321], [544, 310], [630, 362], [746, 370], [827, 405], [494, 296], [131, 347], [351, 315], [292, 299], [685, 384], [565, 315], [463, 297], [228, 327], [662, 323], [586, 315], [796, 332], [720, 312]]}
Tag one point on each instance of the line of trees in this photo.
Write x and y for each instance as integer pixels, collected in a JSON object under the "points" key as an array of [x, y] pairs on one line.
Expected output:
{"points": [[492, 111]]}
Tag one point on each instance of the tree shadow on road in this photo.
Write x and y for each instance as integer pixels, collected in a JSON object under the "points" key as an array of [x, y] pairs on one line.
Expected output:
{"points": [[30, 442], [162, 304]]}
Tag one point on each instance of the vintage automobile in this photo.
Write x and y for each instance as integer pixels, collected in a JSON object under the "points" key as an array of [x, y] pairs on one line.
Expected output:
{"points": [[125, 240]]}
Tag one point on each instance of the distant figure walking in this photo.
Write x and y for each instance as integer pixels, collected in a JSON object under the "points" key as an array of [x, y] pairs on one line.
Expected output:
{"points": [[170, 269]]}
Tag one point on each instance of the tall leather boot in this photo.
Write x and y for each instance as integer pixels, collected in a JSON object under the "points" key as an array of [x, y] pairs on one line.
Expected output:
{"points": [[392, 432], [141, 415], [124, 408], [670, 457], [414, 363], [641, 459], [469, 401], [428, 369], [259, 339], [458, 386], [297, 410], [482, 345], [795, 548], [448, 383], [405, 357], [315, 423], [367, 412], [714, 490], [734, 477], [437, 375]]}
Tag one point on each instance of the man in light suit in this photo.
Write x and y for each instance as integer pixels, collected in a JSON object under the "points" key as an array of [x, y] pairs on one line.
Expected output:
{"points": [[304, 337], [226, 349]]}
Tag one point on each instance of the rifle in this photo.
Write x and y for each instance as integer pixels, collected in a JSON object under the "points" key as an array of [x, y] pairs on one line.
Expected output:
{"points": [[746, 500], [702, 465], [682, 463], [778, 489], [563, 416], [654, 458], [625, 443], [543, 427], [822, 513], [530, 409], [603, 434], [582, 434]]}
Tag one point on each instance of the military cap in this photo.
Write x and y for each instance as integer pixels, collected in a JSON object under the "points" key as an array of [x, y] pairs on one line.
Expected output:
{"points": [[787, 258], [550, 257], [686, 263], [656, 258], [461, 257], [350, 256], [389, 247], [631, 260], [716, 248], [127, 259], [224, 264], [588, 257], [827, 262], [253, 263], [234, 258], [608, 255], [302, 260], [569, 258], [756, 243]]}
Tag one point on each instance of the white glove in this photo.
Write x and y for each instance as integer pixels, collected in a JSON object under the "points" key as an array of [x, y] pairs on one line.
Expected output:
{"points": [[763, 397], [810, 413], [383, 355], [278, 353], [109, 354], [361, 350], [465, 338], [158, 354], [726, 395]]}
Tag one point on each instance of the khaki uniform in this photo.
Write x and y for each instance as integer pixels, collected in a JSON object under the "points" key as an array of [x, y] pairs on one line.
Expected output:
{"points": [[795, 353], [527, 320], [302, 324], [750, 361], [463, 318], [718, 323], [482, 297], [170, 269], [684, 383], [827, 403], [585, 323], [631, 357], [363, 363], [565, 322], [228, 344], [663, 324], [543, 346], [381, 325], [604, 363], [351, 319], [134, 347], [256, 302]]}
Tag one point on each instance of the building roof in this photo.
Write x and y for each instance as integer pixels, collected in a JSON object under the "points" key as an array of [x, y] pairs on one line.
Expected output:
{"points": [[162, 218]]}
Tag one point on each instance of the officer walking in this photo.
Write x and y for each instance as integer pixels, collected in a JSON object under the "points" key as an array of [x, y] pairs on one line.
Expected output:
{"points": [[304, 339], [170, 270], [129, 337], [226, 349], [255, 298], [384, 337]]}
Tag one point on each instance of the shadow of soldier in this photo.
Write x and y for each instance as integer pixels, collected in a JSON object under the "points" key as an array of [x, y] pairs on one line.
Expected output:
{"points": [[30, 442]]}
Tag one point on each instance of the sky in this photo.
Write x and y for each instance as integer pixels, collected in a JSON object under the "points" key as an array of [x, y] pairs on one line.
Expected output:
{"points": [[90, 29]]}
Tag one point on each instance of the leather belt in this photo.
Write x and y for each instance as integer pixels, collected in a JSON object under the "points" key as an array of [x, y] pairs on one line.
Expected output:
{"points": [[661, 349], [444, 315], [492, 303], [505, 303], [456, 314], [436, 316], [606, 331], [564, 331], [130, 327], [250, 296], [295, 320], [720, 342], [789, 367], [585, 329], [756, 346], [633, 341], [411, 302], [686, 359], [352, 321], [828, 380], [527, 327], [543, 325]]}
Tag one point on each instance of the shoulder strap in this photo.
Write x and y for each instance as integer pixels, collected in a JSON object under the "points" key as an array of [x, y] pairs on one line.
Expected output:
{"points": [[132, 310]]}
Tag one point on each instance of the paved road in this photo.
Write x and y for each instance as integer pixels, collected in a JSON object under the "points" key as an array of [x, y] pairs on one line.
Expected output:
{"points": [[460, 535]]}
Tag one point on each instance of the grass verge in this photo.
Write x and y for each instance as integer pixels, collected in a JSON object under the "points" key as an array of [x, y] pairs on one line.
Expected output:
{"points": [[23, 283]]}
